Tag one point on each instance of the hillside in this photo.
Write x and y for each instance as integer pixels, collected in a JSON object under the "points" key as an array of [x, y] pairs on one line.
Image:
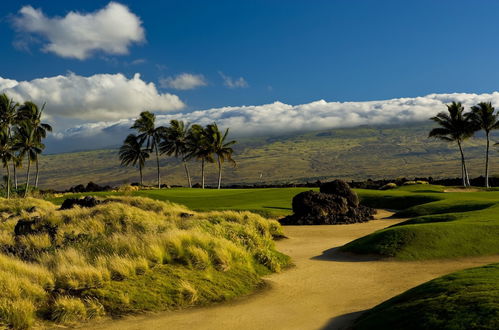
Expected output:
{"points": [[349, 153]]}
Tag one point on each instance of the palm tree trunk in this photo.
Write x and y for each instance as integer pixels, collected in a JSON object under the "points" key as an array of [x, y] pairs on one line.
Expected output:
{"points": [[157, 163], [36, 175], [27, 179], [202, 173], [189, 182], [487, 163], [8, 181], [15, 173], [141, 180], [219, 173], [463, 165]]}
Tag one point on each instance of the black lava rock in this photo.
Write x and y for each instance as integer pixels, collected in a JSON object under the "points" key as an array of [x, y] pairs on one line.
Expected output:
{"points": [[340, 188], [35, 226], [335, 204], [87, 201]]}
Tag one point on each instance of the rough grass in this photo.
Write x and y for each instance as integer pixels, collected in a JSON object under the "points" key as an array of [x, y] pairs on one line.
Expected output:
{"points": [[130, 254], [444, 225], [464, 300]]}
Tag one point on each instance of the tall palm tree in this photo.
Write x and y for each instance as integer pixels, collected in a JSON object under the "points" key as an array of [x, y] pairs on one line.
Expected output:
{"points": [[150, 134], [174, 142], [27, 145], [131, 152], [454, 127], [198, 147], [6, 155], [484, 117], [32, 114], [220, 148], [8, 119]]}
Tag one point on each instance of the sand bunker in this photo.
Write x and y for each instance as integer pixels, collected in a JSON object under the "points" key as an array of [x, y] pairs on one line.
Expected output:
{"points": [[326, 289]]}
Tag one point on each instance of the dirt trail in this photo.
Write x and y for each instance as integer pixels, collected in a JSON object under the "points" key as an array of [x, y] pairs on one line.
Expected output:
{"points": [[326, 290]]}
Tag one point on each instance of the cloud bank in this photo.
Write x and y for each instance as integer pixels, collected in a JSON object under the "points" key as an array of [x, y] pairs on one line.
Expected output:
{"points": [[95, 98], [279, 118], [183, 81], [110, 30]]}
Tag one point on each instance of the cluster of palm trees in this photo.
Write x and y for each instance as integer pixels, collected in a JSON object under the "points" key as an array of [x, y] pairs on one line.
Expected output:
{"points": [[21, 136], [180, 140], [457, 126]]}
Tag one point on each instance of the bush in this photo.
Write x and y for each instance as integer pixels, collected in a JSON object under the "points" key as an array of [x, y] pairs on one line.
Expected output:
{"points": [[388, 186], [409, 183]]}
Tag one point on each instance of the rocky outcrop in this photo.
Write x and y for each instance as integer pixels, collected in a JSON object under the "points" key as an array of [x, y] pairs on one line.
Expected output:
{"points": [[87, 201], [335, 204]]}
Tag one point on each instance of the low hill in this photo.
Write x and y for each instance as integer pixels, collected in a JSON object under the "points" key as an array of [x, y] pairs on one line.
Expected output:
{"points": [[350, 153]]}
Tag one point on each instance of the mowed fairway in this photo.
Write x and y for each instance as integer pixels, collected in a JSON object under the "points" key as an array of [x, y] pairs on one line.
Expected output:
{"points": [[267, 201]]}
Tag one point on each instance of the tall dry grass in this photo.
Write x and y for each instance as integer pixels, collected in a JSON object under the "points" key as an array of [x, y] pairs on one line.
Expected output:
{"points": [[96, 258]]}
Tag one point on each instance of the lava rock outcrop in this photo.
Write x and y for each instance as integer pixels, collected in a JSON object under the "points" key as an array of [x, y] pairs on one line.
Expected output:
{"points": [[335, 204]]}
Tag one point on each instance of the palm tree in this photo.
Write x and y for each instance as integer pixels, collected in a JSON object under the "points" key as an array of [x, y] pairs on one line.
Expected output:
{"points": [[27, 145], [175, 142], [131, 152], [150, 134], [8, 119], [198, 147], [6, 155], [220, 148], [454, 127], [31, 113], [483, 117]]}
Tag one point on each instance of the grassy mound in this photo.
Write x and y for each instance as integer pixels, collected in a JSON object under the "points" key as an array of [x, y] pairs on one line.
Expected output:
{"points": [[444, 225], [127, 255], [467, 299]]}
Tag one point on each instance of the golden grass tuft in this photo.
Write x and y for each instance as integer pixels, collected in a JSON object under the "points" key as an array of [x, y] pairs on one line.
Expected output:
{"points": [[93, 264]]}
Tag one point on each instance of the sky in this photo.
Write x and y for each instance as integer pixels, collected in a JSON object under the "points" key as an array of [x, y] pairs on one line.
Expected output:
{"points": [[258, 67]]}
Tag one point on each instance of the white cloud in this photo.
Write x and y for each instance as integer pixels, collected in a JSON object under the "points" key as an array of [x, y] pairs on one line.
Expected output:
{"points": [[110, 30], [95, 98], [233, 82], [278, 118], [183, 81]]}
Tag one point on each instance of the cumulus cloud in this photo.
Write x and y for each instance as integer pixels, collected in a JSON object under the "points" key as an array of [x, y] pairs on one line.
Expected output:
{"points": [[110, 30], [183, 81], [95, 98], [279, 118], [233, 82]]}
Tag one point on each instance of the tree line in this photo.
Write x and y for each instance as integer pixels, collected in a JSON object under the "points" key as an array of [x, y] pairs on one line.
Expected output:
{"points": [[21, 136], [456, 126], [180, 140]]}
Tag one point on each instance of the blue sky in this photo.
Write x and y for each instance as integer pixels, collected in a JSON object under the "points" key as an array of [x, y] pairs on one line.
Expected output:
{"points": [[295, 52]]}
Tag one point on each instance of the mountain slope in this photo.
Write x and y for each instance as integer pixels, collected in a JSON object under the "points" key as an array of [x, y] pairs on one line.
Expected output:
{"points": [[349, 153]]}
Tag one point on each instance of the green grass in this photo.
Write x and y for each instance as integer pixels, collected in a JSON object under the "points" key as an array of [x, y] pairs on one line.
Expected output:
{"points": [[464, 300], [443, 225], [268, 201]]}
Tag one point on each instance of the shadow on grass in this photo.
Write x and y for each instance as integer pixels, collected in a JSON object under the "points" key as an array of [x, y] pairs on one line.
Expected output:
{"points": [[334, 254], [277, 208], [342, 322]]}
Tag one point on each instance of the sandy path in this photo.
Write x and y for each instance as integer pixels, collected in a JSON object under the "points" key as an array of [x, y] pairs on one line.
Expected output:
{"points": [[325, 290]]}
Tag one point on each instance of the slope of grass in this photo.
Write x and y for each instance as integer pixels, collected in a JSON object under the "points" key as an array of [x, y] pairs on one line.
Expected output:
{"points": [[464, 300], [444, 225], [130, 254]]}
